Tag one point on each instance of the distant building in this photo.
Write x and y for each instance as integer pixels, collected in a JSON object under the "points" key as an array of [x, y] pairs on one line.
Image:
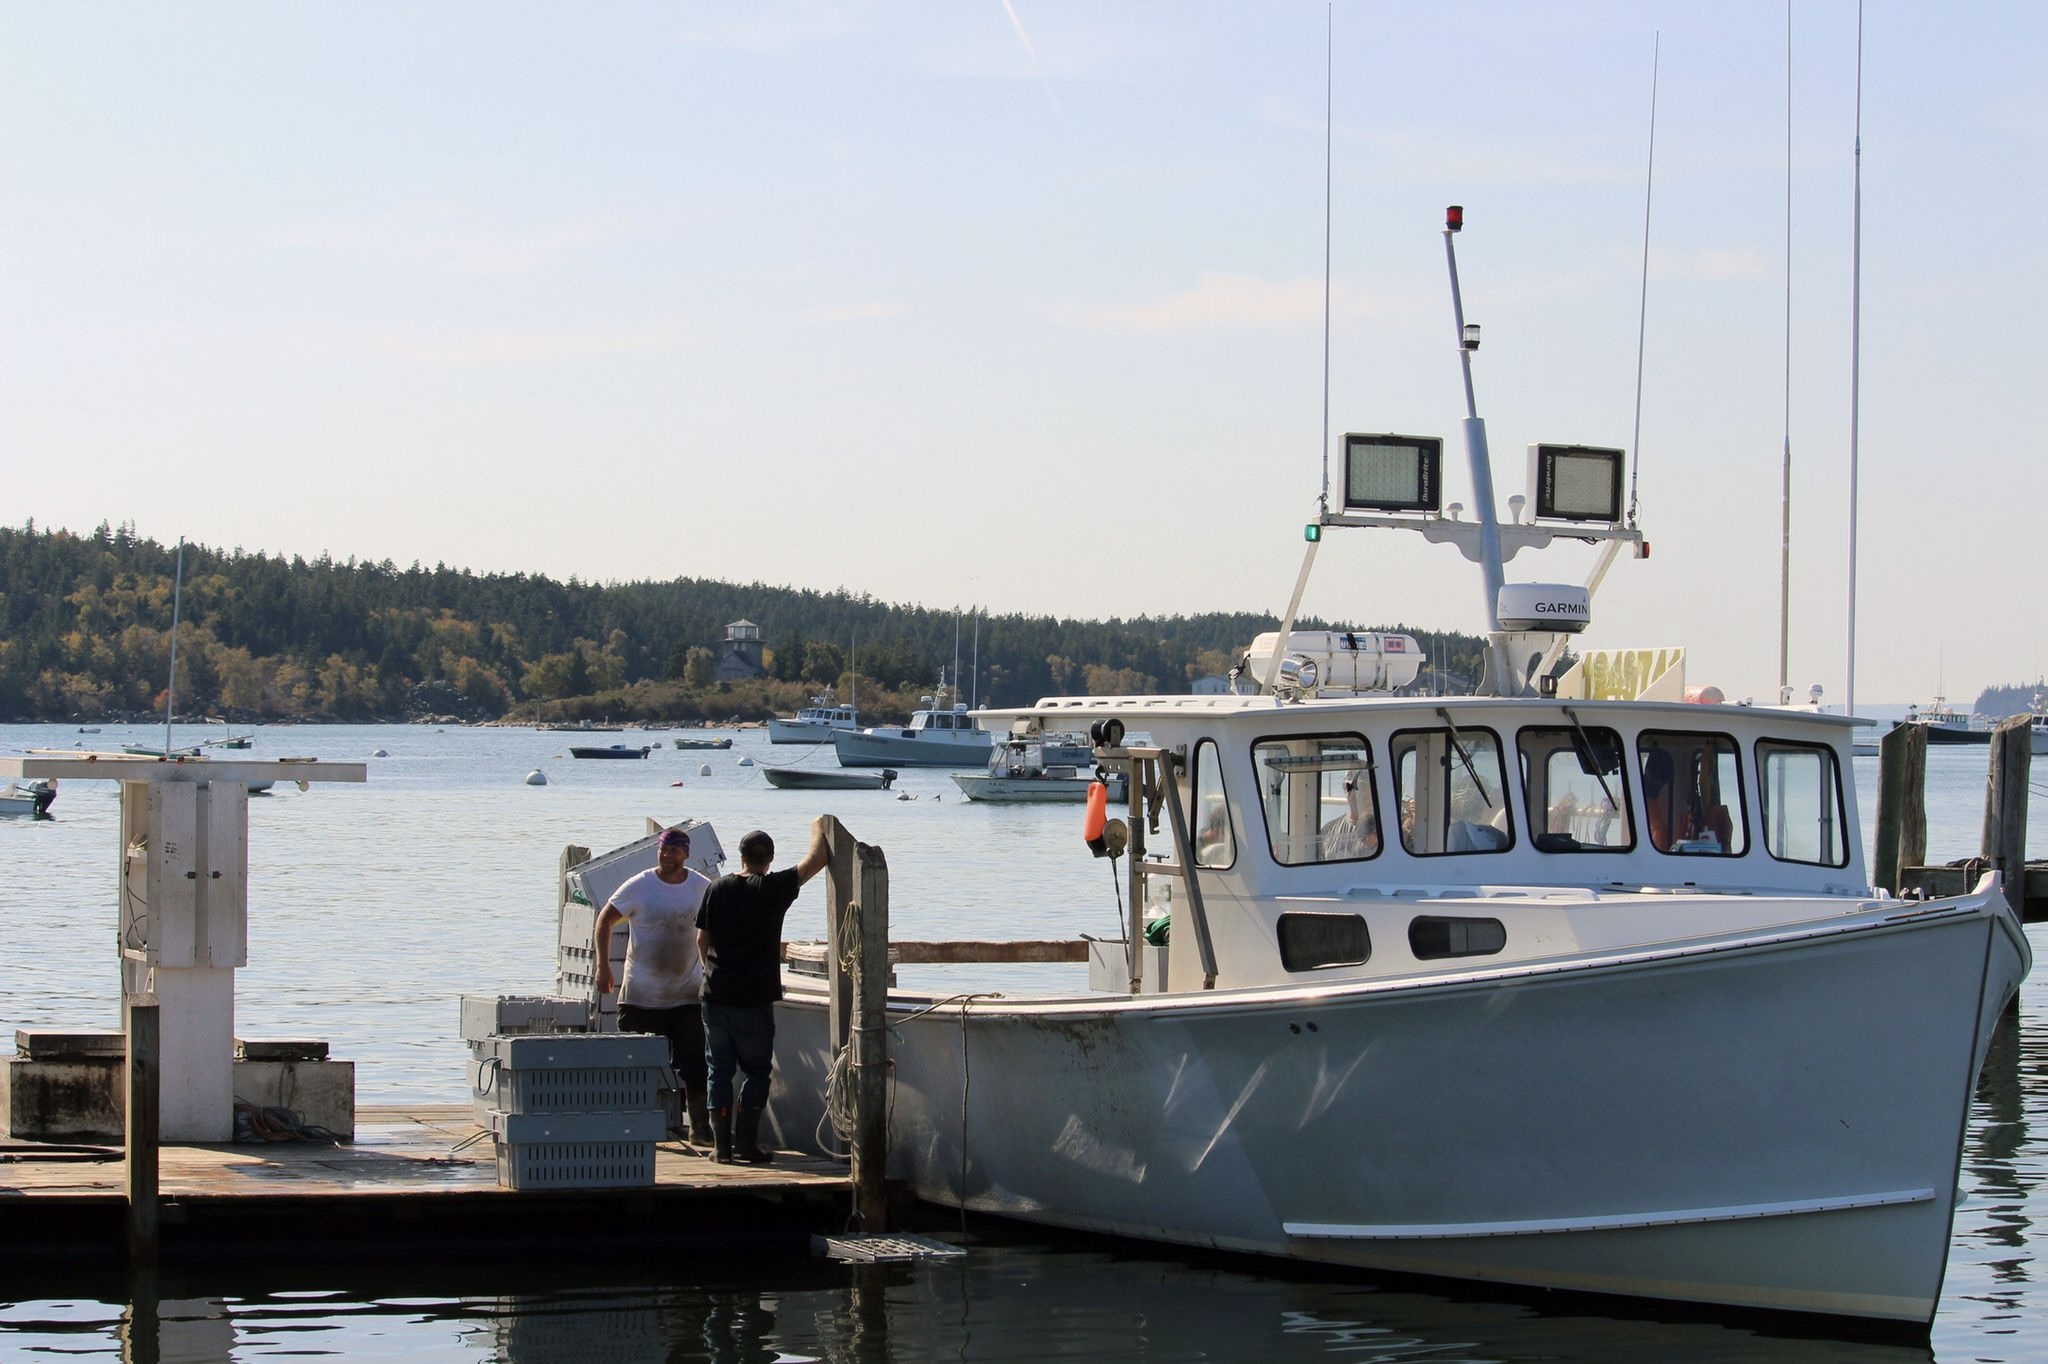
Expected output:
{"points": [[740, 659], [1212, 685]]}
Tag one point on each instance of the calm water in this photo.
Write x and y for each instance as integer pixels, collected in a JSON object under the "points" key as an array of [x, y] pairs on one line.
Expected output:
{"points": [[373, 907]]}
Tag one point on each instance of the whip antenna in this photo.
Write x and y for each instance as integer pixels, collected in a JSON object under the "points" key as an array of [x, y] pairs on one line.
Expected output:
{"points": [[1329, 83], [1855, 355], [1785, 496], [1635, 463]]}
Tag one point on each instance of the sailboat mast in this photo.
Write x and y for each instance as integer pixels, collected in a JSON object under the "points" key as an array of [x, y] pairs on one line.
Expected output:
{"points": [[171, 685]]}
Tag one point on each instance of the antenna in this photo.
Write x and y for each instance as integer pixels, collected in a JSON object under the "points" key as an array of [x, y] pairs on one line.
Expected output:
{"points": [[1785, 497], [171, 686], [1635, 454], [1329, 125], [1855, 355]]}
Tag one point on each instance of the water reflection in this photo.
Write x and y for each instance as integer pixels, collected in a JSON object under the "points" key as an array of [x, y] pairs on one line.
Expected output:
{"points": [[1012, 1299]]}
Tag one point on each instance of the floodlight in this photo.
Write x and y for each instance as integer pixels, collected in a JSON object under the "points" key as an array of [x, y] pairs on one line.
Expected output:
{"points": [[1576, 482], [1393, 473]]}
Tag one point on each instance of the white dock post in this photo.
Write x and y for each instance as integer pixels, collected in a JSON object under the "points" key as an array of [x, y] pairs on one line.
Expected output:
{"points": [[182, 904]]}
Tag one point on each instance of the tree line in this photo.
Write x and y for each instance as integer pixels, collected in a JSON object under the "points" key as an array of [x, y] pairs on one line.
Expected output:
{"points": [[85, 633]]}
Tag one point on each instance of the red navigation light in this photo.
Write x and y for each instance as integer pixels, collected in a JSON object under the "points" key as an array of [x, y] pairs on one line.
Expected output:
{"points": [[1454, 218]]}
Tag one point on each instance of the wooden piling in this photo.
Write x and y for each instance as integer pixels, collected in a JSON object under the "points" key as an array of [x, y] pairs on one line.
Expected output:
{"points": [[1901, 805], [858, 907], [2005, 806], [140, 1022], [871, 1046]]}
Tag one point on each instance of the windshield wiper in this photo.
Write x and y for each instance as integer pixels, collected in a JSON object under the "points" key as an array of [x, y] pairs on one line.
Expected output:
{"points": [[1465, 757]]}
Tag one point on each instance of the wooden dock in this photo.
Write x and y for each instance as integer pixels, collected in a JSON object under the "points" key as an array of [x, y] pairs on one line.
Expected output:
{"points": [[415, 1182]]}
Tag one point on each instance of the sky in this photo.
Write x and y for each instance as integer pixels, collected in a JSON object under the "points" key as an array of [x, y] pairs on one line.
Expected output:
{"points": [[1021, 305]]}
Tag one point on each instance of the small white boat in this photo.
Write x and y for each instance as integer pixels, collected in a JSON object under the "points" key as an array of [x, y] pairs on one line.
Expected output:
{"points": [[30, 798], [814, 724], [1056, 767], [943, 736]]}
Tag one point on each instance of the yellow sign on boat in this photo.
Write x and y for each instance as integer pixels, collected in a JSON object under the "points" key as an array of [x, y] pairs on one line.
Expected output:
{"points": [[1626, 675]]}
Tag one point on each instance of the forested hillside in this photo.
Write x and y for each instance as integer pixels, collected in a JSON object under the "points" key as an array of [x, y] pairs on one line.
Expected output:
{"points": [[85, 632]]}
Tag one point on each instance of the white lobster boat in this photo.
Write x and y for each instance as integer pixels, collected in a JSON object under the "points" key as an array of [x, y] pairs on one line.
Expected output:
{"points": [[1535, 987]]}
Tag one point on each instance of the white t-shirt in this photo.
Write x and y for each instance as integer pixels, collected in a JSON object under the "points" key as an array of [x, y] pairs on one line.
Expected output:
{"points": [[662, 965]]}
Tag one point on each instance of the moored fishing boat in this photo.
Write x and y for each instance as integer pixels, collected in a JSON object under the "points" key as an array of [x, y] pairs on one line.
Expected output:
{"points": [[813, 724], [612, 751], [1569, 984], [941, 735], [1035, 768]]}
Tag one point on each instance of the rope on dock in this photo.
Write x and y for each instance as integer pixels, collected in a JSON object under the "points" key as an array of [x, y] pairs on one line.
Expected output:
{"points": [[276, 1123]]}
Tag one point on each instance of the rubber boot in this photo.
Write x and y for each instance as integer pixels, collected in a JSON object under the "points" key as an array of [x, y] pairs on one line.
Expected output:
{"points": [[700, 1116], [721, 1135], [746, 1138]]}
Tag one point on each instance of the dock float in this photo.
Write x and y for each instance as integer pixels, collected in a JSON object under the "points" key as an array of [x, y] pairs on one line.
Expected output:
{"points": [[416, 1181]]}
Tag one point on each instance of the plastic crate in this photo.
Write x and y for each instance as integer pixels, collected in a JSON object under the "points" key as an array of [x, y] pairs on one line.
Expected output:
{"points": [[576, 1150], [486, 1016], [575, 1164], [566, 1073]]}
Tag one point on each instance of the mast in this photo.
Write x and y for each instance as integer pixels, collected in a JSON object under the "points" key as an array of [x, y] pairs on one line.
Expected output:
{"points": [[171, 686], [1497, 681]]}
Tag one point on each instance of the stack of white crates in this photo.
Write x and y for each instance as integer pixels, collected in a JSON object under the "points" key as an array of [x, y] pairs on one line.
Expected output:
{"points": [[575, 1110], [487, 1017]]}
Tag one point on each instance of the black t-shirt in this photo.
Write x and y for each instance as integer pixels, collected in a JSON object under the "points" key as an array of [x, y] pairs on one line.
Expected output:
{"points": [[743, 915]]}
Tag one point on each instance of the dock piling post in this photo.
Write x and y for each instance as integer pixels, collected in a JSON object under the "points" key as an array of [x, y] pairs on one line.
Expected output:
{"points": [[858, 877], [141, 1023], [1901, 805], [2005, 807], [871, 1046]]}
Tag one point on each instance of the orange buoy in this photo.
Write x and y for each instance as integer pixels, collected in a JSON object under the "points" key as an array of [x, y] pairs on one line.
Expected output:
{"points": [[1096, 817]]}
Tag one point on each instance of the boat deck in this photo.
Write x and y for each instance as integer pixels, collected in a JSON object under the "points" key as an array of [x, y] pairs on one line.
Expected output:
{"points": [[415, 1181]]}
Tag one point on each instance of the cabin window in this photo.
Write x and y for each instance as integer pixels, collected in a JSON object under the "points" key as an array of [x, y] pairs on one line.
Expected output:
{"points": [[1452, 789], [1318, 798], [1433, 937], [1574, 794], [1215, 845], [1309, 942], [1691, 786], [1802, 803]]}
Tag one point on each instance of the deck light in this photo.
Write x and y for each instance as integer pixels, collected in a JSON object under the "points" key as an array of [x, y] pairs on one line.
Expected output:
{"points": [[1471, 336], [1576, 482], [1454, 218], [1393, 473], [1312, 532]]}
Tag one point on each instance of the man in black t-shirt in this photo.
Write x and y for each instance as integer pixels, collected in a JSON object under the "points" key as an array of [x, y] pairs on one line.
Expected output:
{"points": [[739, 935]]}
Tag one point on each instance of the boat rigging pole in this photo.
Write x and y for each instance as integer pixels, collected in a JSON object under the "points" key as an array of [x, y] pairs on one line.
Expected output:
{"points": [[1855, 355], [1308, 558], [1635, 454], [1498, 681], [1785, 496]]}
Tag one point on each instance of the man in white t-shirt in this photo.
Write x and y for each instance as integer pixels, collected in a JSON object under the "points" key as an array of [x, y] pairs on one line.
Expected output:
{"points": [[664, 976]]}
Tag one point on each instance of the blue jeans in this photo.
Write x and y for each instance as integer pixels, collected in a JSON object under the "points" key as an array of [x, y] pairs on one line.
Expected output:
{"points": [[739, 1038]]}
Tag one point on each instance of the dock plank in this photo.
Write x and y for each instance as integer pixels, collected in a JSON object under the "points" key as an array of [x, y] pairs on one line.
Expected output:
{"points": [[416, 1181]]}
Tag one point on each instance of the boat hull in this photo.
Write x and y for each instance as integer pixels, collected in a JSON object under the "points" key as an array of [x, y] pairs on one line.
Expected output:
{"points": [[1764, 1125], [867, 748], [983, 786], [784, 731], [828, 779]]}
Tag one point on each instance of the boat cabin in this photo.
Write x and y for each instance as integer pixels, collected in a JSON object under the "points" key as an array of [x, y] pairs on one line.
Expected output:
{"points": [[1366, 837]]}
